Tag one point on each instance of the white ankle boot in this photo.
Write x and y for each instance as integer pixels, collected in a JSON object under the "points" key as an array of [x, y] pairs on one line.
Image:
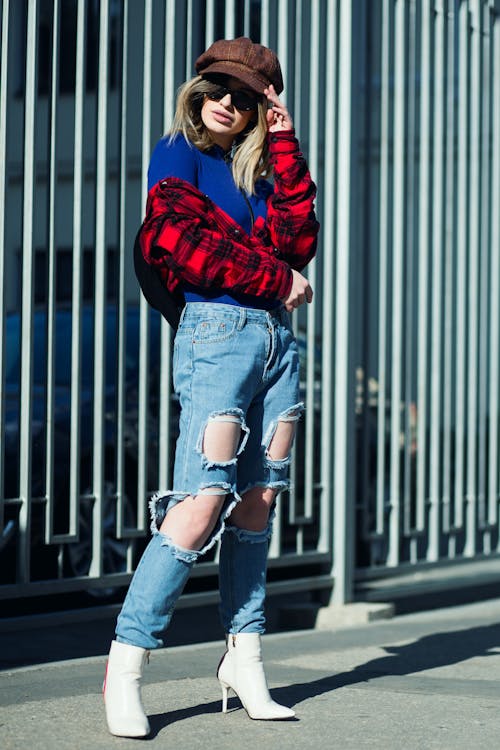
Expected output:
{"points": [[121, 689], [241, 670]]}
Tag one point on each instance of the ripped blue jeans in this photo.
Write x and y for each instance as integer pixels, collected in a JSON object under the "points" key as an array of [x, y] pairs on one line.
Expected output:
{"points": [[231, 365]]}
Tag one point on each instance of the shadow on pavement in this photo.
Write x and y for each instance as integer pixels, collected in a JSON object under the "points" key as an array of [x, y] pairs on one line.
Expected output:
{"points": [[160, 721], [428, 652]]}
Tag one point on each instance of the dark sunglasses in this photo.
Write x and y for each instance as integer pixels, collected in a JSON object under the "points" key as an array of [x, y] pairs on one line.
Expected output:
{"points": [[242, 100]]}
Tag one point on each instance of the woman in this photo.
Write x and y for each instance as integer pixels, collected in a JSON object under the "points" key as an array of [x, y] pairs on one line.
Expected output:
{"points": [[229, 247]]}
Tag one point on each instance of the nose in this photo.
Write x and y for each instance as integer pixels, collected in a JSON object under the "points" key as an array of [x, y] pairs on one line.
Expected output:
{"points": [[226, 100]]}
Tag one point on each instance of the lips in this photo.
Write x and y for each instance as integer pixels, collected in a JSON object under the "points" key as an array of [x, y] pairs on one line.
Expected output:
{"points": [[222, 117]]}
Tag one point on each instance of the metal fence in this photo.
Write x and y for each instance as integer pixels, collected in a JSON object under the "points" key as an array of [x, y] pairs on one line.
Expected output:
{"points": [[429, 486], [397, 106]]}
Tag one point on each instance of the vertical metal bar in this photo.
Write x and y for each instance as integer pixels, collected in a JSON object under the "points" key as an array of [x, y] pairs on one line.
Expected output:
{"points": [[298, 78], [462, 244], [230, 20], [4, 59], [384, 233], [30, 99], [142, 422], [282, 51], [296, 109], [450, 264], [493, 462], [210, 22], [484, 260], [495, 219], [474, 238], [438, 177], [397, 278], [165, 409], [282, 44], [296, 515], [96, 567], [146, 83], [313, 159], [366, 375], [189, 38], [343, 562], [328, 190], [409, 263], [51, 287], [76, 305], [247, 14], [169, 67], [423, 265], [122, 303], [265, 23]]}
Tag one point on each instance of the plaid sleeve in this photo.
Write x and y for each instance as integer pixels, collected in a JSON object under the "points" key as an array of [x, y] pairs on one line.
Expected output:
{"points": [[184, 233], [291, 220]]}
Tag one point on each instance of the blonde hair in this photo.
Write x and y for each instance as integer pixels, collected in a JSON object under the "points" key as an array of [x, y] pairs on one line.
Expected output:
{"points": [[250, 151]]}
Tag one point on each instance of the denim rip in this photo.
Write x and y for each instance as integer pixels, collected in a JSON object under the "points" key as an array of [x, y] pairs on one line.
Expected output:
{"points": [[280, 466], [160, 504], [223, 415], [255, 537]]}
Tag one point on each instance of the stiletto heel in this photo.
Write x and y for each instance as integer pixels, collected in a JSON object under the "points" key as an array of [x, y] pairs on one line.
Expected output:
{"points": [[225, 693]]}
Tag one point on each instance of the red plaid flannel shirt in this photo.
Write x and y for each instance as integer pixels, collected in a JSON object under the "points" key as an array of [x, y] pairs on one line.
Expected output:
{"points": [[189, 239]]}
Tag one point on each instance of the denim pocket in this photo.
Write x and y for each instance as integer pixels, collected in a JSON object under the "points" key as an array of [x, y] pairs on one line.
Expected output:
{"points": [[209, 331]]}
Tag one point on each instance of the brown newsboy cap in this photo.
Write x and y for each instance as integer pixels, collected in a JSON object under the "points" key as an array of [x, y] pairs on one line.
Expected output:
{"points": [[254, 64]]}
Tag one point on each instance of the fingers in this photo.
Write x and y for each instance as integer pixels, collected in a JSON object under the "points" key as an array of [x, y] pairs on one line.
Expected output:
{"points": [[272, 95], [299, 293], [279, 120], [294, 304], [274, 100], [278, 117]]}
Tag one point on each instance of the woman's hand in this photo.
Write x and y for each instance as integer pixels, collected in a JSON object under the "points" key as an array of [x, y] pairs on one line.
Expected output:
{"points": [[300, 292], [278, 117]]}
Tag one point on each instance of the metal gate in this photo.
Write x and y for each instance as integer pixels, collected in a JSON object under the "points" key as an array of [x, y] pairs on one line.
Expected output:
{"points": [[428, 483], [396, 104]]}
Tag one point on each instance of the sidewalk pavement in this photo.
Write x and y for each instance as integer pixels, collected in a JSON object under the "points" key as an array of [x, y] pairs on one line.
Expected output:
{"points": [[425, 680]]}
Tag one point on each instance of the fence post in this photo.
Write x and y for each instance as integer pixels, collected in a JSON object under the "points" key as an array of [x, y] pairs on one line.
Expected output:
{"points": [[343, 421]]}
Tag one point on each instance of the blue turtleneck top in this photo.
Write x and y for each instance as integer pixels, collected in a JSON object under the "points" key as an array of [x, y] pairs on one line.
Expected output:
{"points": [[211, 173]]}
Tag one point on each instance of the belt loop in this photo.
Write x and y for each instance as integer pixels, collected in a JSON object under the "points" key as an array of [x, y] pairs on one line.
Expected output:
{"points": [[183, 313], [242, 319]]}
